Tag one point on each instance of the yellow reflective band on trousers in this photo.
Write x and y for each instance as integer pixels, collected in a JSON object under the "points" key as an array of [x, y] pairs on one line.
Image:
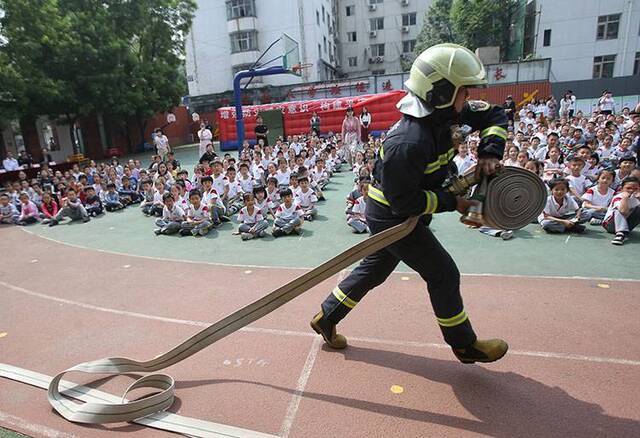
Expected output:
{"points": [[443, 160], [495, 130], [432, 199], [454, 320], [343, 298]]}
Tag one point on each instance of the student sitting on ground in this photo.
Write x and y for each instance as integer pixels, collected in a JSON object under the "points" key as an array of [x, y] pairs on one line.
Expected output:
{"points": [[623, 214], [49, 207], [288, 216], [561, 213], [28, 211], [213, 202], [198, 222], [252, 222], [9, 214], [128, 193], [262, 203], [172, 217], [71, 208], [306, 199], [112, 199], [578, 183], [596, 199], [273, 195], [356, 193], [147, 197], [157, 204], [356, 218], [234, 195], [92, 202]]}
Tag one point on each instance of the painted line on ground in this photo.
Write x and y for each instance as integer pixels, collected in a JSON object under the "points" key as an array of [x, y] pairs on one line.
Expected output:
{"points": [[298, 268], [25, 426], [278, 332], [294, 404]]}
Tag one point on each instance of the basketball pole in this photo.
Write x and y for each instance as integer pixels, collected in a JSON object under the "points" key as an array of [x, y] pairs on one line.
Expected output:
{"points": [[237, 92]]}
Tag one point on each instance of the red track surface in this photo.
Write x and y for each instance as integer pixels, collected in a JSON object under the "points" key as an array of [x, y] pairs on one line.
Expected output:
{"points": [[572, 371]]}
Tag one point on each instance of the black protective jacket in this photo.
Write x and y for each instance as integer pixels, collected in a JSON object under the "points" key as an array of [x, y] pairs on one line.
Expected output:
{"points": [[417, 154]]}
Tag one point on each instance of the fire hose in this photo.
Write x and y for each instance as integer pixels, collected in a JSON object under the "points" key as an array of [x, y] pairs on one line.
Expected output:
{"points": [[509, 200]]}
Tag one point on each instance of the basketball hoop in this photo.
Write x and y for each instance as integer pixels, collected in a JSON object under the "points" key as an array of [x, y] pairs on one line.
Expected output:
{"points": [[297, 69]]}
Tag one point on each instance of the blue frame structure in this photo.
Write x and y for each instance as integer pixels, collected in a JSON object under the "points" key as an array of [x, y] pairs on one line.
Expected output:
{"points": [[237, 91]]}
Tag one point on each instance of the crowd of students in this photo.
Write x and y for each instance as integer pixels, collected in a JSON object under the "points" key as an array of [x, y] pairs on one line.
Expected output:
{"points": [[588, 162]]}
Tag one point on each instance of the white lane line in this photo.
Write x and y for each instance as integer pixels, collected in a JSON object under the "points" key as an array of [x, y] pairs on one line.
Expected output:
{"points": [[294, 404], [298, 268], [23, 425], [278, 332]]}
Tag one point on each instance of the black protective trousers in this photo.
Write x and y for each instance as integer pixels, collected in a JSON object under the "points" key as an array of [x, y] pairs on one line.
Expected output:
{"points": [[422, 252]]}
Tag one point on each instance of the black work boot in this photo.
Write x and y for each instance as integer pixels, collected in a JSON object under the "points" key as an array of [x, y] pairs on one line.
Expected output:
{"points": [[489, 350], [328, 331]]}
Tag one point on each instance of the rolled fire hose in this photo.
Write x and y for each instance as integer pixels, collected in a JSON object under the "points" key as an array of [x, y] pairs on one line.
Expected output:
{"points": [[512, 200]]}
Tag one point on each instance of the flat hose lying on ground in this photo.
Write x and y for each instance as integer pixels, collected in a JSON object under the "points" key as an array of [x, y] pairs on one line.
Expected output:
{"points": [[130, 410]]}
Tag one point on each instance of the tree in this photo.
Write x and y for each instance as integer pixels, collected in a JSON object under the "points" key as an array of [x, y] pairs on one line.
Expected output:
{"points": [[437, 27], [471, 23], [74, 58], [478, 23]]}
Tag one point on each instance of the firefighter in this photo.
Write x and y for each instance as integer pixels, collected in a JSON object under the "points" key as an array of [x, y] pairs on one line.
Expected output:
{"points": [[414, 160]]}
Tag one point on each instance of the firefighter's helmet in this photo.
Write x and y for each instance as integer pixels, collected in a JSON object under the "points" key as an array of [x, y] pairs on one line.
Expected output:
{"points": [[438, 73]]}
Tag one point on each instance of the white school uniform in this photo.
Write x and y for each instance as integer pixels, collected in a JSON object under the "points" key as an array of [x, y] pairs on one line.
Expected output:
{"points": [[246, 184], [596, 198], [463, 163], [283, 177], [198, 213], [552, 208], [579, 184], [174, 215], [219, 183], [633, 202], [293, 212], [250, 219], [305, 200], [359, 206], [235, 189]]}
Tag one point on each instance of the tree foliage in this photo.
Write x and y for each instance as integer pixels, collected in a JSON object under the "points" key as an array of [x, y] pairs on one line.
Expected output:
{"points": [[471, 23], [437, 27], [121, 58]]}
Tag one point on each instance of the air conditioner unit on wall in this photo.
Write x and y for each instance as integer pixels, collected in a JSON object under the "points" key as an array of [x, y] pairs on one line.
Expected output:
{"points": [[373, 34], [379, 59], [373, 7], [405, 29]]}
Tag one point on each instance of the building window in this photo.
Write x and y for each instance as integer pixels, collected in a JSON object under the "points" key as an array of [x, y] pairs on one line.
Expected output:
{"points": [[373, 2], [350, 10], [603, 66], [324, 40], [352, 37], [409, 19], [319, 51], [408, 46], [240, 8], [244, 41], [353, 61], [318, 18], [377, 72], [323, 13], [546, 42], [377, 50], [377, 23], [608, 27], [636, 65]]}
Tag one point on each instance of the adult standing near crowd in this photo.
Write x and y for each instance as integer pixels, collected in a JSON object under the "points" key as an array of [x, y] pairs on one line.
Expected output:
{"points": [[315, 124], [412, 164], [552, 107], [350, 135], [10, 163], [261, 131], [162, 143], [566, 104], [510, 108], [46, 156], [24, 159], [606, 104], [365, 123], [205, 136]]}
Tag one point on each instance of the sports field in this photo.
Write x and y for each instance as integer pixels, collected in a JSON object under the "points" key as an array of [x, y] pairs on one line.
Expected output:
{"points": [[566, 305]]}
